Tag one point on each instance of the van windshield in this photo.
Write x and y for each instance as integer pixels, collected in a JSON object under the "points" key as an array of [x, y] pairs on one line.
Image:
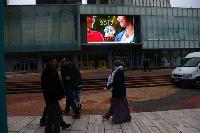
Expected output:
{"points": [[193, 62], [183, 61]]}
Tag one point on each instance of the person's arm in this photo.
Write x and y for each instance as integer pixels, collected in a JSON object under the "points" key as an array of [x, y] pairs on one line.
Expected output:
{"points": [[109, 86], [118, 79], [59, 87]]}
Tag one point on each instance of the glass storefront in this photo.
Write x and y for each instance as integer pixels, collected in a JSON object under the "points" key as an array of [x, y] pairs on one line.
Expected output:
{"points": [[166, 58], [93, 61]]}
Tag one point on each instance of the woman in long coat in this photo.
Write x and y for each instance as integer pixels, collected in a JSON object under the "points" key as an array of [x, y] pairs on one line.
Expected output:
{"points": [[119, 109]]}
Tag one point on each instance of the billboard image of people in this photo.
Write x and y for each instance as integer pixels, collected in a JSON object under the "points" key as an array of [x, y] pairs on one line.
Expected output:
{"points": [[110, 29]]}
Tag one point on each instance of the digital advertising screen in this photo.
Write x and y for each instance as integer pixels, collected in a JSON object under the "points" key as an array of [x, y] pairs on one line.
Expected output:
{"points": [[110, 29]]}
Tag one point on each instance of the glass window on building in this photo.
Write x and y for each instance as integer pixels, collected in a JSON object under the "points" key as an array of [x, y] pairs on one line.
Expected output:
{"points": [[175, 11], [144, 28], [98, 61], [27, 66], [40, 28], [196, 28], [176, 28], [84, 61], [170, 12], [186, 27], [165, 26], [103, 1], [66, 28], [93, 61], [150, 27], [13, 34], [199, 27], [175, 58], [160, 28], [191, 28], [91, 1], [122, 55], [39, 25], [181, 28], [169, 32], [28, 27], [155, 27], [164, 10]]}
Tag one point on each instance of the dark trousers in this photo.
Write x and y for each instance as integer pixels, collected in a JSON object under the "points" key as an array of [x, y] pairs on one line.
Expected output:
{"points": [[119, 109], [73, 100], [54, 118], [44, 115]]}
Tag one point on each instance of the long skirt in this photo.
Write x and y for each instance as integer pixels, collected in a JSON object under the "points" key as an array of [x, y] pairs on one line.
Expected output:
{"points": [[119, 110]]}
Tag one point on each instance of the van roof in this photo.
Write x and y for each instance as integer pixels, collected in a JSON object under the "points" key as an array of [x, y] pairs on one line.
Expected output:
{"points": [[194, 54]]}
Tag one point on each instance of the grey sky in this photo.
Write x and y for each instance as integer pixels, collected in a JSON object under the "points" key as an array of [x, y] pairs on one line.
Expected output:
{"points": [[185, 3], [21, 2], [174, 3]]}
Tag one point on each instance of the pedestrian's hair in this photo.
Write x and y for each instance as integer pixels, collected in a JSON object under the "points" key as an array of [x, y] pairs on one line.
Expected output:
{"points": [[129, 19], [118, 63], [48, 60]]}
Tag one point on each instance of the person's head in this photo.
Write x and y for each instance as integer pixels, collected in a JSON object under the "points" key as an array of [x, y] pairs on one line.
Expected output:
{"points": [[125, 21], [52, 63], [118, 63], [66, 60], [90, 22]]}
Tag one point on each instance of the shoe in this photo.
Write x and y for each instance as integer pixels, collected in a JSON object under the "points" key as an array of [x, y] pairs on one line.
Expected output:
{"points": [[106, 116], [79, 106], [66, 111], [128, 119], [77, 116], [64, 125]]}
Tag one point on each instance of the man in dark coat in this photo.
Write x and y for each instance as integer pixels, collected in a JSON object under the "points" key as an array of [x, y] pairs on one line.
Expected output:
{"points": [[52, 92], [144, 65], [71, 80]]}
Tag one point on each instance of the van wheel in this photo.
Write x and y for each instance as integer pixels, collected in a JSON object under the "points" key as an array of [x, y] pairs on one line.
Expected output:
{"points": [[197, 83]]}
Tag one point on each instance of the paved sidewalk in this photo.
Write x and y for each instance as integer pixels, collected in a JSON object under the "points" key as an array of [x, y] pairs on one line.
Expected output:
{"points": [[96, 102], [173, 121]]}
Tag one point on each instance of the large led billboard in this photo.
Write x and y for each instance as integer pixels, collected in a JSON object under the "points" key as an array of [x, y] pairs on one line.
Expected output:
{"points": [[110, 29]]}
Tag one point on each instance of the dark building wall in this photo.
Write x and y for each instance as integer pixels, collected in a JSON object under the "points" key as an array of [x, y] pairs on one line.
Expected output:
{"points": [[41, 28], [58, 1]]}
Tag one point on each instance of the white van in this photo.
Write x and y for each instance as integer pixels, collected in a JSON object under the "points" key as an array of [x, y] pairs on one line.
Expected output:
{"points": [[188, 72]]}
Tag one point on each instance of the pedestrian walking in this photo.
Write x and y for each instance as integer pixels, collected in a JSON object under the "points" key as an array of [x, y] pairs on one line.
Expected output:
{"points": [[147, 65], [43, 120], [144, 65], [71, 78], [119, 108], [52, 92]]}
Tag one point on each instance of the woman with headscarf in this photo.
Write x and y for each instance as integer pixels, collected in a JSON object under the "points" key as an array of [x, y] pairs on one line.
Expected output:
{"points": [[119, 109]]}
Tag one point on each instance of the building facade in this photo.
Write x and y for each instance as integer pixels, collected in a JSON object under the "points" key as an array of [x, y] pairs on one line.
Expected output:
{"points": [[34, 33]]}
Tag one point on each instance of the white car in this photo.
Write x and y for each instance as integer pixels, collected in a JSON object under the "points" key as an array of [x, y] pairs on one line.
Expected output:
{"points": [[188, 73]]}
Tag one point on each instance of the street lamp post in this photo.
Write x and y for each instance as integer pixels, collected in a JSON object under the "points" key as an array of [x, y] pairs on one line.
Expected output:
{"points": [[3, 113]]}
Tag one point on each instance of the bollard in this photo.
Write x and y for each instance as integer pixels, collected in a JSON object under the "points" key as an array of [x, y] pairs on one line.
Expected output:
{"points": [[3, 113]]}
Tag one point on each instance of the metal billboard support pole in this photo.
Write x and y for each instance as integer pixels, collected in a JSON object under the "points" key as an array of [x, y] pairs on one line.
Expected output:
{"points": [[3, 113]]}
